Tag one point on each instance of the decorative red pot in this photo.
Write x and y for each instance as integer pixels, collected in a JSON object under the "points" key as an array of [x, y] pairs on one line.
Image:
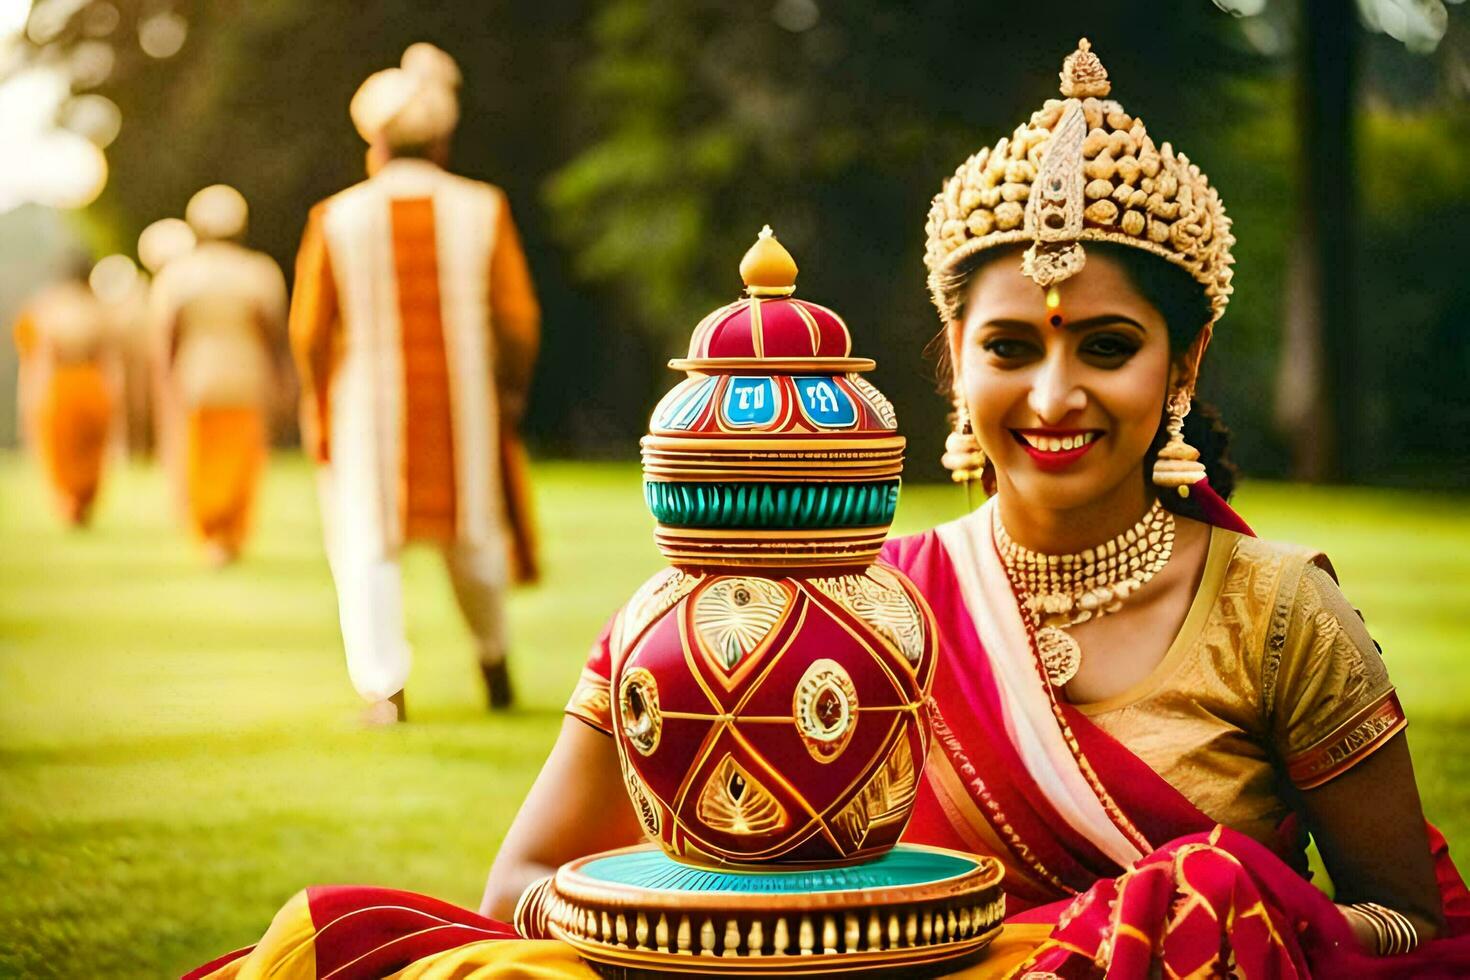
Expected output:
{"points": [[769, 688]]}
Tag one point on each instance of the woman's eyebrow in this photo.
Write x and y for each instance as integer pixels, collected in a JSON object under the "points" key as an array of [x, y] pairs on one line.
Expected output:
{"points": [[1008, 324], [1106, 319]]}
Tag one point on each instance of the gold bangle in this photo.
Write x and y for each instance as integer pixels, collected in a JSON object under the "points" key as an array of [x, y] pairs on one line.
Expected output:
{"points": [[1406, 928], [1395, 934], [529, 917], [1380, 938], [1407, 937], [1387, 939]]}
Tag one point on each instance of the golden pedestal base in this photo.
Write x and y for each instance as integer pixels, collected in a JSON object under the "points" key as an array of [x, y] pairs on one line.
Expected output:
{"points": [[915, 911]]}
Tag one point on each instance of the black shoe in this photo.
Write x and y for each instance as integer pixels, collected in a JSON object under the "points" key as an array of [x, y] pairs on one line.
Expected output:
{"points": [[386, 712], [497, 685]]}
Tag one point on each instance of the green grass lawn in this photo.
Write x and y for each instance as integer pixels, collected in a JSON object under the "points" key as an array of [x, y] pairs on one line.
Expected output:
{"points": [[179, 749]]}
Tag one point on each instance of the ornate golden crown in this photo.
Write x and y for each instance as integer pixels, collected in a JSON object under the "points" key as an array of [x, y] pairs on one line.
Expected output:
{"points": [[1082, 169]]}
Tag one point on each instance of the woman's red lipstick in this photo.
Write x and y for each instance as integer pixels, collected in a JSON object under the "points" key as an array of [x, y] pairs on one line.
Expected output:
{"points": [[1053, 460]]}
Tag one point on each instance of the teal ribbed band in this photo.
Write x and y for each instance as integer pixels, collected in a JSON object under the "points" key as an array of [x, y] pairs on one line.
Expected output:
{"points": [[901, 866], [772, 505]]}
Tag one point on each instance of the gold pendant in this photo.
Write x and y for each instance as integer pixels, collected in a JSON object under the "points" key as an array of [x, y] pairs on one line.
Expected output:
{"points": [[1060, 654]]}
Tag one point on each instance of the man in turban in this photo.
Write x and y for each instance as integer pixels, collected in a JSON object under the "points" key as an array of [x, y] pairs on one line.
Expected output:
{"points": [[415, 328], [219, 313], [65, 391]]}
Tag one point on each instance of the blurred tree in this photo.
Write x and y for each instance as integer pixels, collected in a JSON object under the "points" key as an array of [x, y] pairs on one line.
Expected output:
{"points": [[1326, 400], [660, 134], [1327, 431], [836, 124], [256, 96]]}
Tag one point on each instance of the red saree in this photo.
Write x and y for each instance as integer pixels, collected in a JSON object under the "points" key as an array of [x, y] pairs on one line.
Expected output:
{"points": [[1192, 898], [1110, 871]]}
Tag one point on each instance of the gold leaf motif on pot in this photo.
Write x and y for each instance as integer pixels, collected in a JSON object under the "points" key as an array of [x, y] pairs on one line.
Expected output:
{"points": [[887, 797], [733, 615], [735, 802], [876, 598]]}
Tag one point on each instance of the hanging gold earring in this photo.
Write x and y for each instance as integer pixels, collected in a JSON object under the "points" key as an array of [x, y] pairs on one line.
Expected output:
{"points": [[963, 456], [1178, 462]]}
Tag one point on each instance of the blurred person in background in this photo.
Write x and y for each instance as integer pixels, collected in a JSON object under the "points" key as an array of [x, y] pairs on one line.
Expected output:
{"points": [[415, 328], [219, 314], [160, 243], [65, 391], [123, 292]]}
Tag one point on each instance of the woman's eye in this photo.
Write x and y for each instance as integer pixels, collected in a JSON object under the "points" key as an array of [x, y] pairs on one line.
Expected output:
{"points": [[1006, 348], [1109, 347]]}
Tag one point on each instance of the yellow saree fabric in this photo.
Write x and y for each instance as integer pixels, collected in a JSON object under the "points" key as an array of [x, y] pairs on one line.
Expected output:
{"points": [[548, 960], [285, 952]]}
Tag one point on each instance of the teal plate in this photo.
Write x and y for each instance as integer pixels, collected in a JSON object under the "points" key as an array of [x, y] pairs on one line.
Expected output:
{"points": [[653, 869]]}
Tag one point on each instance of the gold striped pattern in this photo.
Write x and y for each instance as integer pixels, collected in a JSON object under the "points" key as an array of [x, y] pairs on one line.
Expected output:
{"points": [[773, 459], [770, 549]]}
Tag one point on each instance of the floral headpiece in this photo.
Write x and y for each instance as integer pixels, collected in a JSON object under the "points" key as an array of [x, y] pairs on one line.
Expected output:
{"points": [[1081, 170]]}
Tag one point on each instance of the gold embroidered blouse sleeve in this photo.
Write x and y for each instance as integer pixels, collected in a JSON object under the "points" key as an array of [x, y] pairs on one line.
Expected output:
{"points": [[1270, 666], [591, 700], [313, 326], [1327, 691]]}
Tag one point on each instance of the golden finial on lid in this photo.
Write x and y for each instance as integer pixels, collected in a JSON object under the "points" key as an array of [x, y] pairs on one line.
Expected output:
{"points": [[768, 269], [1083, 75]]}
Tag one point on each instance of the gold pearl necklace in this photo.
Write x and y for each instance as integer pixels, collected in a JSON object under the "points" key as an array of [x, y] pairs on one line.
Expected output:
{"points": [[1060, 591]]}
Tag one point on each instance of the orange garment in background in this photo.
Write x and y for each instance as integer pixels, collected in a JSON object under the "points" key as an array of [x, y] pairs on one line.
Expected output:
{"points": [[73, 419], [428, 429], [64, 395], [226, 451], [218, 314]]}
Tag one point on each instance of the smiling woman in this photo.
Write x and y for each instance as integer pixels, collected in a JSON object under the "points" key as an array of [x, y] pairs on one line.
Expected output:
{"points": [[1187, 699], [1069, 409], [1123, 313]]}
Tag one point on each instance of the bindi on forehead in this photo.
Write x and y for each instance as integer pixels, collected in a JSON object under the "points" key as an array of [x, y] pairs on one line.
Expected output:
{"points": [[1000, 292], [1054, 307]]}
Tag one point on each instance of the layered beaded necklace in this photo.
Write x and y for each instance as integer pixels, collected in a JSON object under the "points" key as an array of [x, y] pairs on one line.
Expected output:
{"points": [[1060, 591]]}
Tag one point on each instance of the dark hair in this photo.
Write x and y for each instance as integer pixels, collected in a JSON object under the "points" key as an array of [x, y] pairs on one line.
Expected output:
{"points": [[1180, 299]]}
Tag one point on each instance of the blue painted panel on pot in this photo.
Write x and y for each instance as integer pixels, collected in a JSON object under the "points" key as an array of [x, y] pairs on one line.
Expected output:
{"points": [[750, 402], [825, 403]]}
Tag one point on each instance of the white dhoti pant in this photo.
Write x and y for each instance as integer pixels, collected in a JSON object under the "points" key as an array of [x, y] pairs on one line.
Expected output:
{"points": [[370, 605]]}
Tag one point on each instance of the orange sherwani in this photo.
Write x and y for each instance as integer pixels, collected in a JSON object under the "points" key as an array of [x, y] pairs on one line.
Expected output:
{"points": [[415, 329], [64, 395], [218, 313]]}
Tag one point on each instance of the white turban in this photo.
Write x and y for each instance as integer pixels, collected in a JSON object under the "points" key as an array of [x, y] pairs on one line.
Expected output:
{"points": [[412, 105], [163, 241], [426, 61], [217, 212]]}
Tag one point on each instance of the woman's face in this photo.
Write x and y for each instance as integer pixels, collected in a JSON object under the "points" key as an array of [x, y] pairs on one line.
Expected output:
{"points": [[1064, 401]]}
